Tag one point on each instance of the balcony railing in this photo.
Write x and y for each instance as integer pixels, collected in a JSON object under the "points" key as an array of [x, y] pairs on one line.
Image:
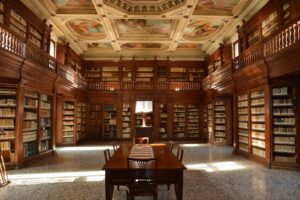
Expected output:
{"points": [[139, 85], [17, 45], [279, 41]]}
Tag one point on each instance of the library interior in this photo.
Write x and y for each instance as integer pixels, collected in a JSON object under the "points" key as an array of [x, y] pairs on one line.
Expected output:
{"points": [[96, 94]]}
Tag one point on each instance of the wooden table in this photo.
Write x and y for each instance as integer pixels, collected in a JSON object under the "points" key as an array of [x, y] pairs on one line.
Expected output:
{"points": [[169, 168]]}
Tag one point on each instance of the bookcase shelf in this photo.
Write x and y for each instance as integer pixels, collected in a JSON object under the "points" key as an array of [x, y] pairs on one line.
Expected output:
{"points": [[110, 121], [144, 74], [126, 120], [96, 121], [139, 119], [258, 123], [45, 121], [193, 121], [162, 73], [205, 121], [163, 125], [284, 125], [210, 121], [81, 121], [68, 131], [220, 122], [35, 37], [253, 37], [110, 73], [30, 124], [179, 120], [269, 25], [286, 13], [2, 12], [8, 123], [127, 73], [243, 127], [17, 23]]}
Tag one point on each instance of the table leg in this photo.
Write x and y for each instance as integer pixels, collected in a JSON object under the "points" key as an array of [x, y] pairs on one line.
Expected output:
{"points": [[179, 186], [108, 187]]}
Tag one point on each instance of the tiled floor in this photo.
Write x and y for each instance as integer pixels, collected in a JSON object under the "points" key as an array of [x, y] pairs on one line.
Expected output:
{"points": [[213, 173]]}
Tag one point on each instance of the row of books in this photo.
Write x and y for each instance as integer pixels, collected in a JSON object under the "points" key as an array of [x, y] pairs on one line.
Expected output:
{"points": [[7, 102], [284, 121], [284, 140], [7, 123], [283, 102], [283, 112], [7, 112], [29, 136], [282, 91], [284, 148], [29, 125], [257, 102]]}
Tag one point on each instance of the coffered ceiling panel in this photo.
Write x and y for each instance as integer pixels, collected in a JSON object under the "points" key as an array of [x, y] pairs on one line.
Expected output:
{"points": [[86, 29], [189, 29], [202, 29], [144, 27]]}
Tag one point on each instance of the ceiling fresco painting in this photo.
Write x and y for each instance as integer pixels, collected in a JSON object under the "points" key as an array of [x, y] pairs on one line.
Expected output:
{"points": [[202, 28], [188, 29], [105, 45], [144, 27], [189, 46], [72, 3], [86, 29], [148, 46]]}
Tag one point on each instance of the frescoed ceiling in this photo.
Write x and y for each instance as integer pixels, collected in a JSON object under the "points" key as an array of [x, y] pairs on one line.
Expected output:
{"points": [[188, 29]]}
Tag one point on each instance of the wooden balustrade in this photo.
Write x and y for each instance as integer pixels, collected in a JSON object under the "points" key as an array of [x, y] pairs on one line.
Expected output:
{"points": [[137, 85], [39, 56], [282, 39], [221, 76], [11, 42], [249, 56]]}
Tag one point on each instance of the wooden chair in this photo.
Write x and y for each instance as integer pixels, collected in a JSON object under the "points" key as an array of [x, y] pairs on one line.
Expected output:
{"points": [[106, 155], [179, 154], [120, 182], [170, 145], [141, 140], [115, 146], [143, 177]]}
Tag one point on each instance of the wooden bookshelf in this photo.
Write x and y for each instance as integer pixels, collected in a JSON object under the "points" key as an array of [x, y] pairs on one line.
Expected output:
{"points": [[30, 124], [45, 122], [35, 37], [210, 121], [179, 74], [127, 73], [258, 137], [81, 121], [17, 23], [126, 120], [205, 122], [93, 73], [286, 13], [163, 122], [110, 121], [68, 131], [2, 12], [162, 73], [196, 74], [220, 122], [253, 37], [8, 98], [284, 125], [110, 73], [243, 122], [269, 24], [144, 73], [179, 121], [95, 129], [192, 124]]}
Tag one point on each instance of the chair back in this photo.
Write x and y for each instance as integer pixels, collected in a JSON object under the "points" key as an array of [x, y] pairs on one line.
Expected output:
{"points": [[143, 177], [170, 145], [141, 140], [115, 146], [180, 154], [106, 155]]}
